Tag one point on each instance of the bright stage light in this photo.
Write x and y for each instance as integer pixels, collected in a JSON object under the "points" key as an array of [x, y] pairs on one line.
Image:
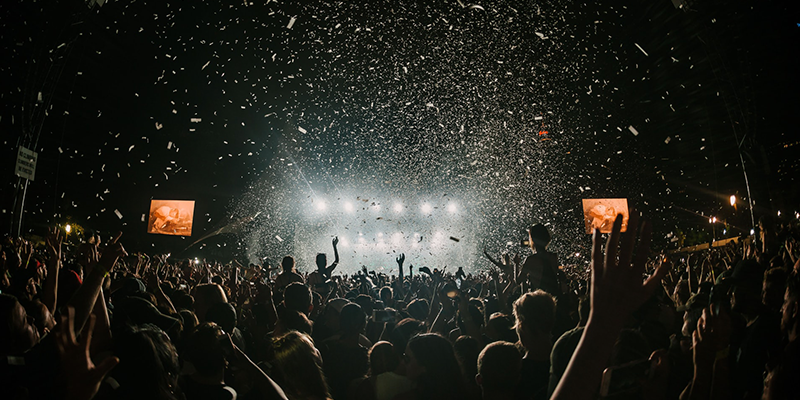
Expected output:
{"points": [[380, 234], [452, 207], [397, 238], [426, 208], [68, 228], [398, 207], [321, 206], [733, 200], [349, 207], [376, 207]]}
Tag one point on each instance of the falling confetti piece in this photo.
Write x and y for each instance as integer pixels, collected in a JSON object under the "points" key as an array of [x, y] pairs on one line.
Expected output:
{"points": [[640, 48], [279, 238], [119, 214], [633, 130], [291, 23], [455, 239]]}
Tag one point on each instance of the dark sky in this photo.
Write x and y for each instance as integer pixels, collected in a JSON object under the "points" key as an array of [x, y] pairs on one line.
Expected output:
{"points": [[407, 99]]}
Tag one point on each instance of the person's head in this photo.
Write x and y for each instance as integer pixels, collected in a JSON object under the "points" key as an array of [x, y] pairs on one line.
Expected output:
{"points": [[206, 295], [352, 320], [223, 314], [773, 288], [467, 350], [539, 236], [297, 297], [365, 302], [386, 295], [781, 380], [418, 309], [746, 290], [205, 350], [322, 261], [287, 264], [499, 367], [299, 366], [432, 364], [148, 364], [790, 311], [18, 332], [382, 358], [501, 328], [535, 314], [291, 320], [403, 332], [41, 315]]}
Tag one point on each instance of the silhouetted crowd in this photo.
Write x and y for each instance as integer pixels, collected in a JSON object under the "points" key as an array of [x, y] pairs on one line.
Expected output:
{"points": [[88, 320]]}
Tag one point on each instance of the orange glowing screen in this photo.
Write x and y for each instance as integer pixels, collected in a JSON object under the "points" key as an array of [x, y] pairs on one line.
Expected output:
{"points": [[600, 214], [171, 217]]}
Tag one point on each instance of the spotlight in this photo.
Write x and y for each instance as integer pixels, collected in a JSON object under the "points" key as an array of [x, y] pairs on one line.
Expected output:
{"points": [[321, 206], [68, 228], [349, 207], [343, 242], [426, 208], [452, 207], [376, 207], [779, 213], [398, 207], [733, 200], [752, 232]]}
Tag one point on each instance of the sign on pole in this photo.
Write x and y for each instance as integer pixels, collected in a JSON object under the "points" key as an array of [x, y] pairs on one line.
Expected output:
{"points": [[26, 164]]}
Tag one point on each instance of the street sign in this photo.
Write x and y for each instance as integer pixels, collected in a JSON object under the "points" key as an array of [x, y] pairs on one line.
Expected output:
{"points": [[26, 164]]}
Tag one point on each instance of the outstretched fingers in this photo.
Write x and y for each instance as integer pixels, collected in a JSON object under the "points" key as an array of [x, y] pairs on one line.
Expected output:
{"points": [[612, 244], [628, 239], [597, 255]]}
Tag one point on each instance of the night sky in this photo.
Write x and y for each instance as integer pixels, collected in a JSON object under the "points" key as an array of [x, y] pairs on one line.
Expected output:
{"points": [[261, 111]]}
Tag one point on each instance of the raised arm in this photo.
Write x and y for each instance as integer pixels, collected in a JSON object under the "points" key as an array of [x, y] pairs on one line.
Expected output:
{"points": [[616, 291], [400, 260], [328, 271], [84, 299], [50, 287]]}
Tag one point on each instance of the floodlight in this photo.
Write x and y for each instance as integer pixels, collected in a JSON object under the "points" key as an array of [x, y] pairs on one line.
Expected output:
{"points": [[452, 207], [398, 207], [68, 228], [321, 206], [349, 207], [733, 200]]}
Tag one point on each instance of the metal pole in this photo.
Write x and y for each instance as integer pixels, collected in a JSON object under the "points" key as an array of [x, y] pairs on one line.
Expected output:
{"points": [[749, 196], [22, 208]]}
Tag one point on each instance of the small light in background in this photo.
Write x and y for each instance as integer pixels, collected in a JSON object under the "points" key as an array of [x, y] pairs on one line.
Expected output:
{"points": [[426, 208], [349, 207], [398, 207], [68, 228], [321, 206], [733, 200], [752, 232], [452, 207]]}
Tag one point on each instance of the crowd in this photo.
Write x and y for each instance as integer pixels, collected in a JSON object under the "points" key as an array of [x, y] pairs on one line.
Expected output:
{"points": [[96, 322]]}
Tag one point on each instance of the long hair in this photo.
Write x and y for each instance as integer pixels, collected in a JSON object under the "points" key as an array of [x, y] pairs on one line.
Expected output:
{"points": [[148, 367], [442, 378], [299, 366]]}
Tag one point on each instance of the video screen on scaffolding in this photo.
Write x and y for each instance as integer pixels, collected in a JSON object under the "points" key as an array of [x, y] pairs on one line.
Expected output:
{"points": [[600, 214], [171, 217]]}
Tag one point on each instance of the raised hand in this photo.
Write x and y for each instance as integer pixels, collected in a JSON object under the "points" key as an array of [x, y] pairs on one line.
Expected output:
{"points": [[335, 241], [617, 288], [401, 259], [111, 254], [53, 241], [82, 376]]}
